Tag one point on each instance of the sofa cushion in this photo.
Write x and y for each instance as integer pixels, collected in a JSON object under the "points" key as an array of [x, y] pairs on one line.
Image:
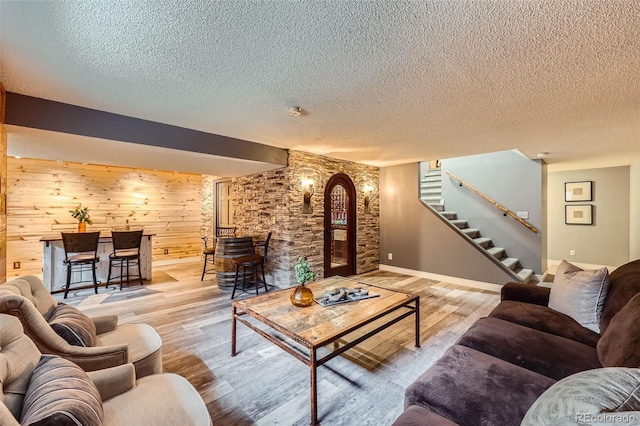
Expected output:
{"points": [[544, 319], [73, 326], [60, 393], [159, 399], [472, 388], [417, 415], [624, 283], [145, 346], [619, 346], [580, 294], [544, 353], [602, 396]]}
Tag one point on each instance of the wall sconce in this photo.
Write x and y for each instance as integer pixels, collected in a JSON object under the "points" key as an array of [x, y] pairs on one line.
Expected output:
{"points": [[307, 190], [369, 195]]}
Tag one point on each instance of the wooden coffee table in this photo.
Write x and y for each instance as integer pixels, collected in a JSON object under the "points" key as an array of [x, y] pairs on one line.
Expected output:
{"points": [[317, 326]]}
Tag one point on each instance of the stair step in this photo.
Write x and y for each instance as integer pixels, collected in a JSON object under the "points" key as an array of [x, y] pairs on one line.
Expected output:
{"points": [[432, 172], [460, 223], [525, 275], [471, 232], [433, 200], [433, 196], [428, 178], [483, 242], [497, 252], [431, 191], [449, 215], [430, 184], [510, 262]]}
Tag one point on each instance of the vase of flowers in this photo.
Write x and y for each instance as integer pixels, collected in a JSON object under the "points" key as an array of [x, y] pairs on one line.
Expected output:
{"points": [[301, 296], [82, 216]]}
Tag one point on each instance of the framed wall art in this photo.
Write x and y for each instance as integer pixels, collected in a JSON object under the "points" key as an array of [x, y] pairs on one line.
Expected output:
{"points": [[578, 191], [578, 214]]}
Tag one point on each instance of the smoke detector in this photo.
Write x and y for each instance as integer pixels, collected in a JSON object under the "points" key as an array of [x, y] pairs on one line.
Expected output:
{"points": [[295, 111]]}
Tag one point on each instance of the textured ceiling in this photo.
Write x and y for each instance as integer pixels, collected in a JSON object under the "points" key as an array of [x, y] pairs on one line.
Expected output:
{"points": [[379, 82]]}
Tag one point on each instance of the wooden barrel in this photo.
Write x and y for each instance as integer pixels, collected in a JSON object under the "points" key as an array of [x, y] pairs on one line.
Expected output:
{"points": [[227, 249]]}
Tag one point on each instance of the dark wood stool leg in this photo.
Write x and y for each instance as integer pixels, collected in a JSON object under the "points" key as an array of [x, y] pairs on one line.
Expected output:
{"points": [[66, 289], [121, 273], [264, 281], [109, 274], [204, 267], [235, 283], [95, 280]]}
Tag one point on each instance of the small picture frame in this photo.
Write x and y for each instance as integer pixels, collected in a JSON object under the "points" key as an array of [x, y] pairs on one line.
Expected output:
{"points": [[578, 191], [578, 214]]}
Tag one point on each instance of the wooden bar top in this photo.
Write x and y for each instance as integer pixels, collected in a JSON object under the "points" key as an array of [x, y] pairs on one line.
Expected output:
{"points": [[103, 235]]}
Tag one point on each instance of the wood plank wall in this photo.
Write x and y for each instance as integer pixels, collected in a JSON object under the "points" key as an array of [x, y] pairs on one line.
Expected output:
{"points": [[41, 193], [3, 189]]}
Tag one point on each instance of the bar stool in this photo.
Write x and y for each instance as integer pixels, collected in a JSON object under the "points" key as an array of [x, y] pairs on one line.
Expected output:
{"points": [[209, 252], [251, 262], [80, 250], [126, 251]]}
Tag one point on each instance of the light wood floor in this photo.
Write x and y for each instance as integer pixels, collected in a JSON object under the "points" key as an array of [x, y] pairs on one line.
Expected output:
{"points": [[263, 385]]}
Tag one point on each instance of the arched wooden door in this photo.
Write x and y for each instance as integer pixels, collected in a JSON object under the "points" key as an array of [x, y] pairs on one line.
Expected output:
{"points": [[339, 226]]}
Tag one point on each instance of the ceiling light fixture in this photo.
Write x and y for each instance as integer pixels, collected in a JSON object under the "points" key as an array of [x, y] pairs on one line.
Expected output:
{"points": [[543, 154], [295, 111]]}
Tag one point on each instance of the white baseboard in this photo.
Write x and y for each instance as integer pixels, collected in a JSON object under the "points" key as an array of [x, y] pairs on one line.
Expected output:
{"points": [[552, 265], [176, 261], [436, 277]]}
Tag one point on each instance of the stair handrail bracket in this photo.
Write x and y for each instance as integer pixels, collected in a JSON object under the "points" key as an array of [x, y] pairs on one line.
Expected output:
{"points": [[491, 201]]}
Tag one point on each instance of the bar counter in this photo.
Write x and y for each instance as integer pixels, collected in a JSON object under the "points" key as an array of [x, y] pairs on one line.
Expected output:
{"points": [[54, 272]]}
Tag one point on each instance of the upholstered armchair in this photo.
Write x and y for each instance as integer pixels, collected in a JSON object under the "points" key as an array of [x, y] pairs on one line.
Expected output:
{"points": [[92, 343], [47, 389]]}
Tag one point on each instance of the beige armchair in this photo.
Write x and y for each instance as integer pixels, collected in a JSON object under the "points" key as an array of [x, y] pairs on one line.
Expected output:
{"points": [[46, 389], [92, 343]]}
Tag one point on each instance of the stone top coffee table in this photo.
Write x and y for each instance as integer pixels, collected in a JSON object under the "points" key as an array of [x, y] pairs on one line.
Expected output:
{"points": [[317, 326]]}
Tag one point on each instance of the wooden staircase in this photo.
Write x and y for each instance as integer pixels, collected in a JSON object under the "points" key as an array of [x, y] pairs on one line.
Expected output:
{"points": [[431, 194]]}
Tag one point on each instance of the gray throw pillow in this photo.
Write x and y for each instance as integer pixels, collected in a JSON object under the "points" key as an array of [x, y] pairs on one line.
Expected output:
{"points": [[73, 326], [594, 397], [61, 394], [580, 294]]}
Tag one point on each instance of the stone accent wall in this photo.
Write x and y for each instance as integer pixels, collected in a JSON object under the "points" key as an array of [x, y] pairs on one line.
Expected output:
{"points": [[208, 207], [272, 201]]}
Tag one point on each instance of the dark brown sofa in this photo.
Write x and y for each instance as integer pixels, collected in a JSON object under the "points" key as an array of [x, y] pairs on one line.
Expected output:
{"points": [[504, 362]]}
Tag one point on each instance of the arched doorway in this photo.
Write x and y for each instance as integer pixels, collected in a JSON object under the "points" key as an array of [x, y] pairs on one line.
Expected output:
{"points": [[339, 226]]}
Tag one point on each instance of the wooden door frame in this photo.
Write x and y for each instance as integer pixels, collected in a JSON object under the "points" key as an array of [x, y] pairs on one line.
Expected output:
{"points": [[345, 180]]}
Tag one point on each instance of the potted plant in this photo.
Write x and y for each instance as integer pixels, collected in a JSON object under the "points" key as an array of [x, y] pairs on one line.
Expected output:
{"points": [[301, 296], [82, 216]]}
